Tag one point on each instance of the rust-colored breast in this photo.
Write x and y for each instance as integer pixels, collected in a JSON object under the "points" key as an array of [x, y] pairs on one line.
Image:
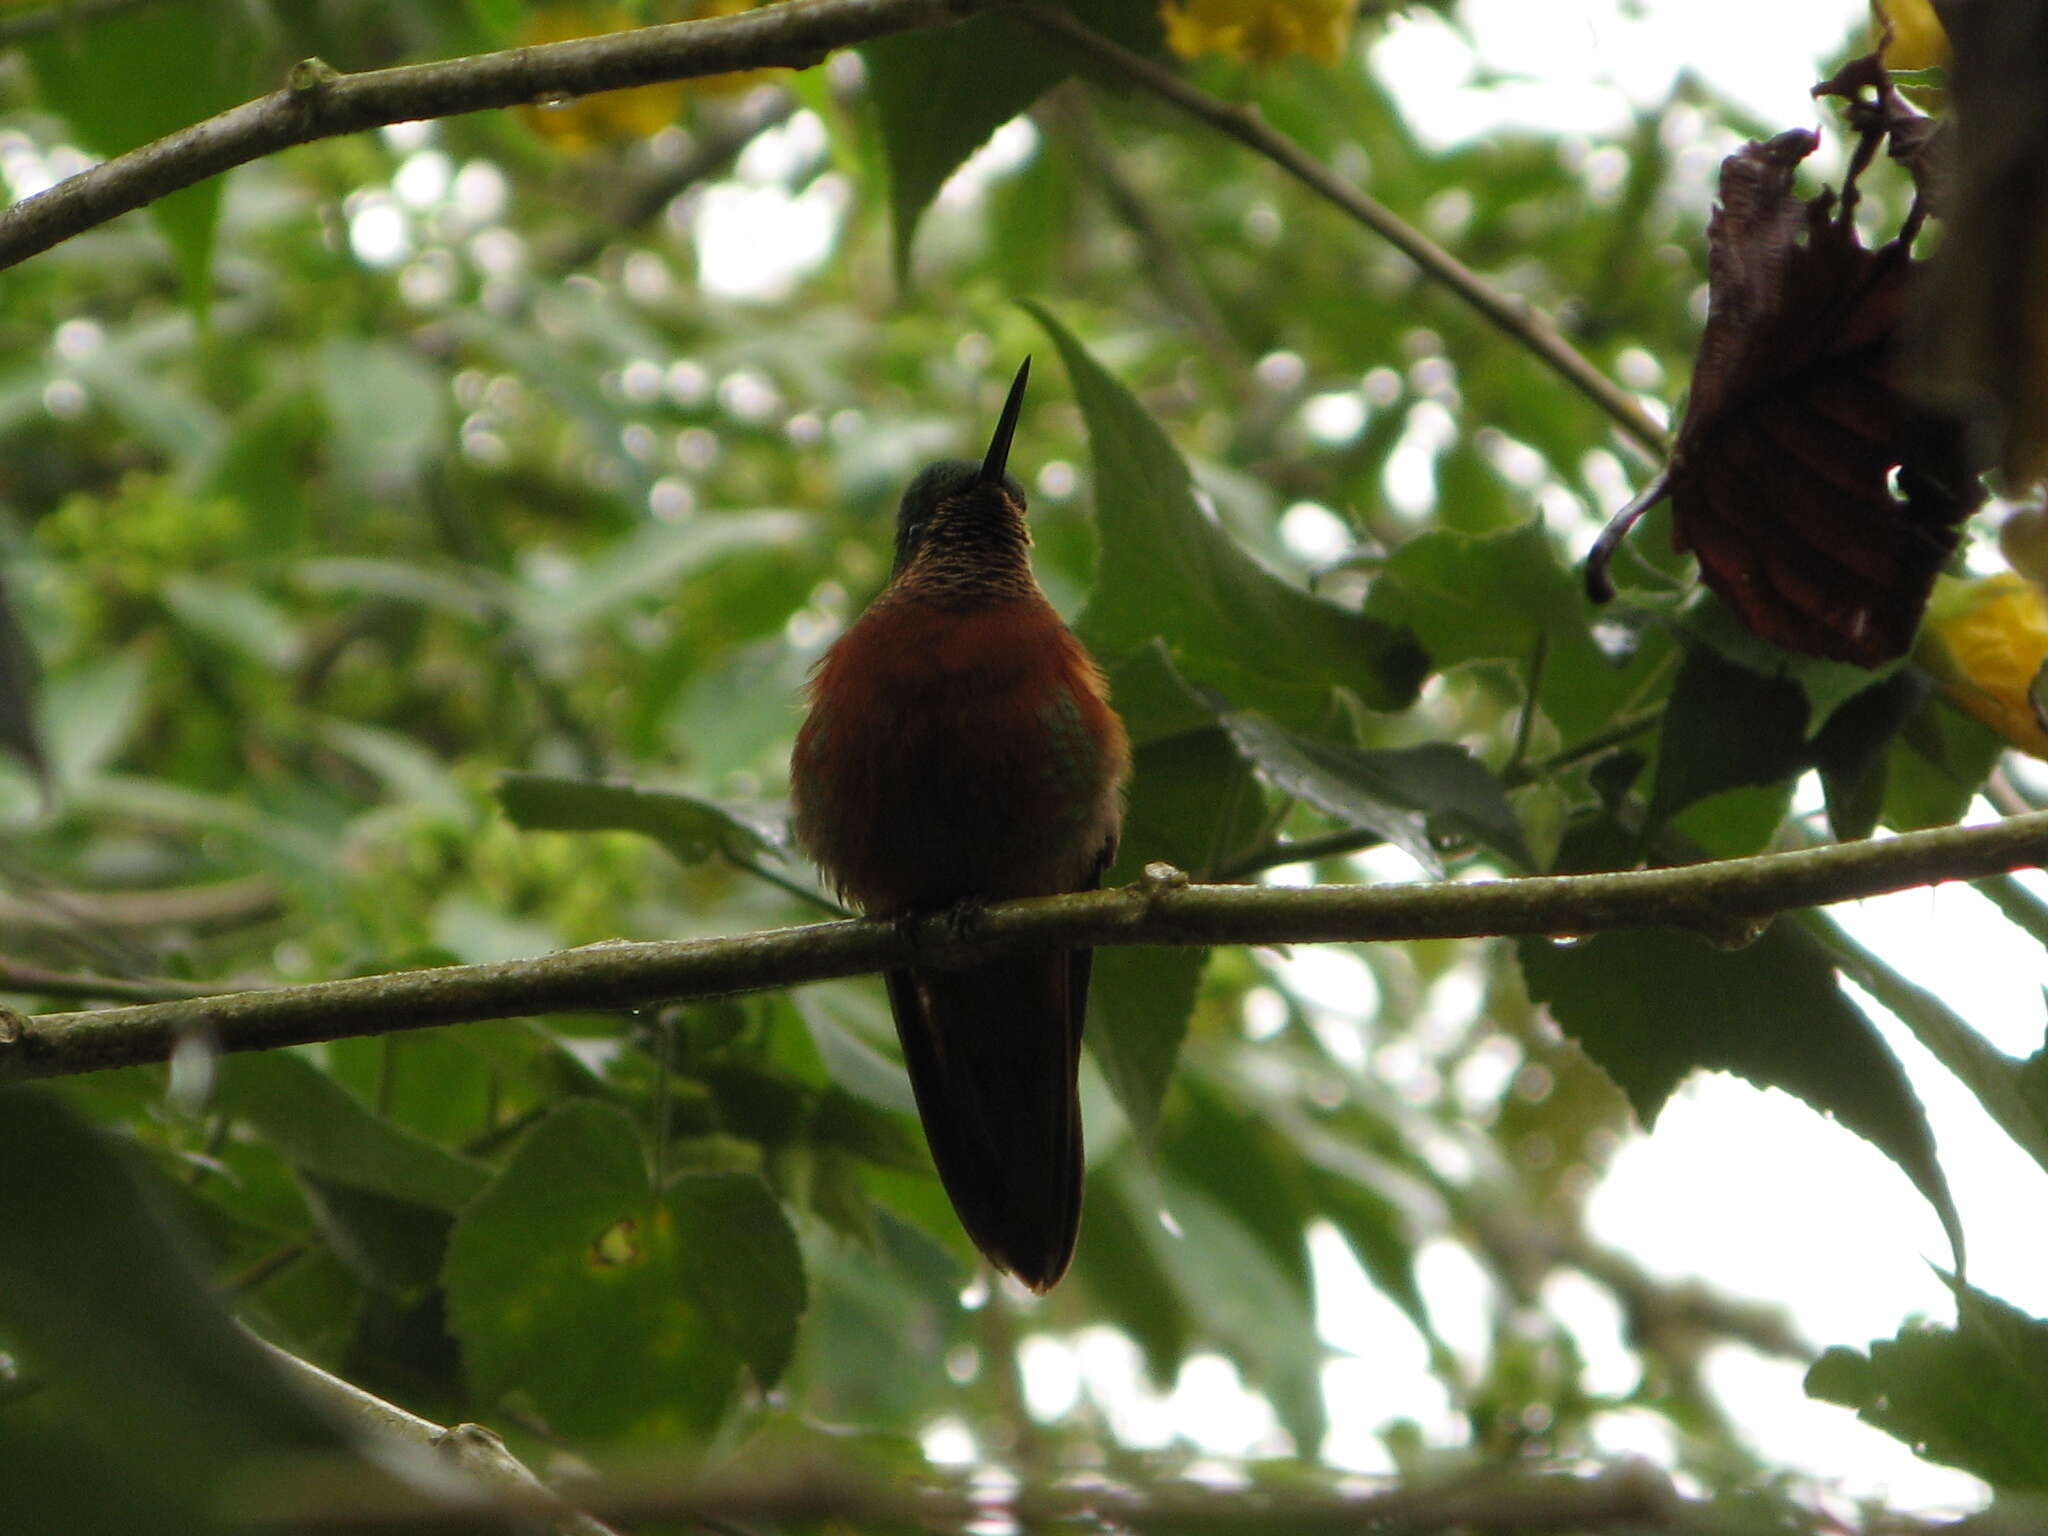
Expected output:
{"points": [[953, 755]]}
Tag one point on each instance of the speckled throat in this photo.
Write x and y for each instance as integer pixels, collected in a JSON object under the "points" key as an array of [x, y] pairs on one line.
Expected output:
{"points": [[975, 549]]}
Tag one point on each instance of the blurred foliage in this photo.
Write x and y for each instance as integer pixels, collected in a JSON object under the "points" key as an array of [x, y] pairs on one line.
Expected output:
{"points": [[412, 560]]}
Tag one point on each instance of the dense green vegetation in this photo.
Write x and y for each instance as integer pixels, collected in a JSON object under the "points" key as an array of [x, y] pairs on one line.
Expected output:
{"points": [[364, 507]]}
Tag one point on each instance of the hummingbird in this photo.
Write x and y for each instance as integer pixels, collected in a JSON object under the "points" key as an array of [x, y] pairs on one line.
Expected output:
{"points": [[960, 748]]}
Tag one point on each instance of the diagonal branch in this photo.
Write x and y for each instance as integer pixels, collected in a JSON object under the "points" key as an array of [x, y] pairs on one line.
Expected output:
{"points": [[1513, 315], [1718, 899], [320, 103]]}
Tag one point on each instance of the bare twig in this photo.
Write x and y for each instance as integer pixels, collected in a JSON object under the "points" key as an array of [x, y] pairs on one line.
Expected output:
{"points": [[65, 13], [320, 103], [1630, 1497], [228, 904], [39, 981], [1160, 909], [1512, 315], [490, 1474]]}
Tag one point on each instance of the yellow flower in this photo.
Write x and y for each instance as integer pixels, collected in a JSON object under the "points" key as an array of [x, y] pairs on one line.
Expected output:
{"points": [[1257, 31], [1987, 641], [1918, 41], [611, 117]]}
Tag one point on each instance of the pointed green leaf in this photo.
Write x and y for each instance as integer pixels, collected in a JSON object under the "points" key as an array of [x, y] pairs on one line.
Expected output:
{"points": [[1825, 684], [1975, 1396], [122, 79], [319, 1126], [1654, 1005], [1724, 727], [389, 412], [691, 828], [1167, 570], [103, 1300], [1392, 792], [1194, 805], [1498, 597], [18, 677], [940, 92]]}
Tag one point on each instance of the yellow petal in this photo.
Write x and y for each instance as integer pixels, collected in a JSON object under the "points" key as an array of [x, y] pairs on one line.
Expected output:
{"points": [[1917, 41], [1987, 641]]}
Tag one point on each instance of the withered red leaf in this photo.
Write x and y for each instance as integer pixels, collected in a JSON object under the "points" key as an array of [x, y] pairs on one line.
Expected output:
{"points": [[1820, 500]]}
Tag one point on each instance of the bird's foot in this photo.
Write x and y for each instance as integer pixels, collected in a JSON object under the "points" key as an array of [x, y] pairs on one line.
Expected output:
{"points": [[943, 924], [963, 920]]}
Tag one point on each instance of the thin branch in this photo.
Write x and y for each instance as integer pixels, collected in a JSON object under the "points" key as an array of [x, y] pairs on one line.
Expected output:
{"points": [[470, 1449], [23, 977], [1159, 909], [229, 904], [1633, 1496], [320, 103], [66, 13], [1512, 315]]}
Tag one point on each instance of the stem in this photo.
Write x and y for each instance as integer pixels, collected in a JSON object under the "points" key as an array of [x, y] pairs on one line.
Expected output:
{"points": [[1161, 908], [1512, 315], [320, 103], [20, 976]]}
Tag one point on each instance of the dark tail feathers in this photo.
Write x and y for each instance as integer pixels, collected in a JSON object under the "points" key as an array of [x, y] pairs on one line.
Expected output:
{"points": [[993, 1053]]}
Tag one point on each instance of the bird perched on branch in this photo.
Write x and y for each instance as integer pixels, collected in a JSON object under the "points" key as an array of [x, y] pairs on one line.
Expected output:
{"points": [[960, 749]]}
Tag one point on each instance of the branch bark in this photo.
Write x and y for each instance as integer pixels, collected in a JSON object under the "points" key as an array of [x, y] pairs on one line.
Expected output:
{"points": [[476, 1454], [319, 103], [1718, 899]]}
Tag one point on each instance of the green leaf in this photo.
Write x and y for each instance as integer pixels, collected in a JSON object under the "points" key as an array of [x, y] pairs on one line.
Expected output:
{"points": [[617, 1310], [389, 411], [1826, 684], [1245, 1301], [1852, 750], [1975, 1396], [1497, 597], [1725, 726], [393, 1245], [236, 616], [1166, 570], [18, 677], [834, 1014], [319, 1126], [1124, 1275], [2014, 1093], [653, 560], [691, 828], [103, 1300], [1239, 1162], [1939, 761], [1394, 792], [123, 79], [1654, 1005], [940, 92], [1194, 805], [1153, 699]]}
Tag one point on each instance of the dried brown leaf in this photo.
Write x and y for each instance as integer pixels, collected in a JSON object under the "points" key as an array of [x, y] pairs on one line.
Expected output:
{"points": [[1820, 499]]}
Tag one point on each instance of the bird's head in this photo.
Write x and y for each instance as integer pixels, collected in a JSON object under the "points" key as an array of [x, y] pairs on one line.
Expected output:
{"points": [[964, 506]]}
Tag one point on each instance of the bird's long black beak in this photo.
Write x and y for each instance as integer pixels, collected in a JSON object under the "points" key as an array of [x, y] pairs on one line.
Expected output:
{"points": [[998, 456]]}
